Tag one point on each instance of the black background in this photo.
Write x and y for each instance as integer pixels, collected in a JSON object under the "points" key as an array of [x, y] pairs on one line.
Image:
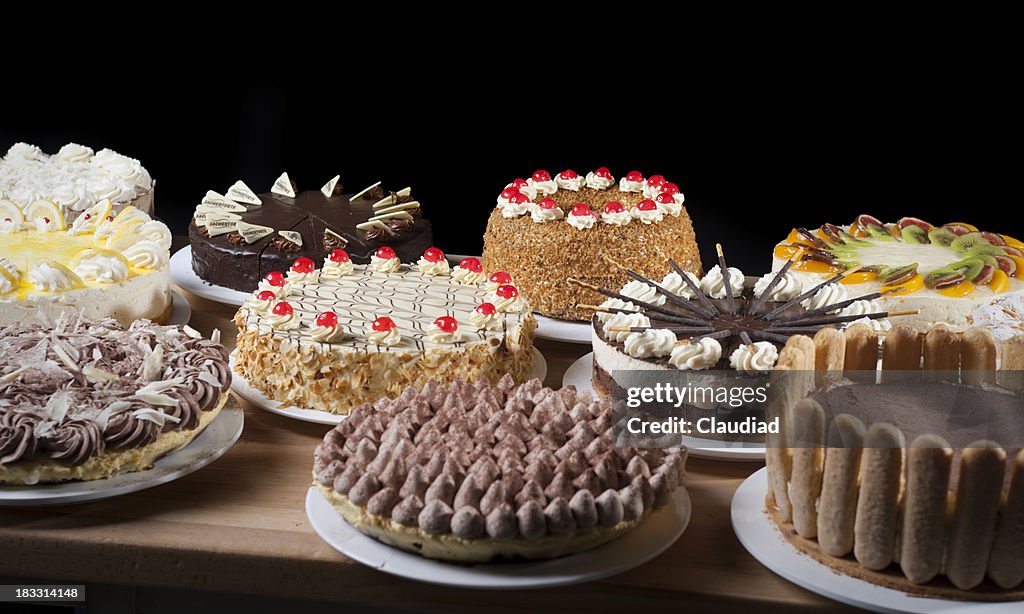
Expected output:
{"points": [[757, 149]]}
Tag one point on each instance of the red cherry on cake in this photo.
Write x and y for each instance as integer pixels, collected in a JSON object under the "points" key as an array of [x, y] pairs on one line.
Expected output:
{"points": [[87, 216], [486, 309], [568, 174], [473, 264], [275, 278], [508, 193], [664, 198], [110, 218], [339, 255], [541, 176], [647, 205], [581, 209], [634, 176], [656, 181], [384, 324], [303, 265], [500, 278], [265, 295], [327, 319], [282, 309], [669, 188], [614, 207], [519, 182], [447, 324], [518, 198], [547, 203], [385, 253], [507, 292], [433, 255], [603, 172]]}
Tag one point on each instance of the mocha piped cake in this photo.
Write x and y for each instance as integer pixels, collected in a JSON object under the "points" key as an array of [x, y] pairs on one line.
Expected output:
{"points": [[474, 472], [240, 236], [86, 400]]}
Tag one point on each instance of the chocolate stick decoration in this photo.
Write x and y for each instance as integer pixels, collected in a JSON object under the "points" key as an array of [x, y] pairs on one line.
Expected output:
{"points": [[779, 276], [794, 301], [672, 298], [767, 336], [829, 320], [623, 297], [730, 300], [677, 319], [694, 288], [685, 330], [718, 334], [746, 338], [828, 308]]}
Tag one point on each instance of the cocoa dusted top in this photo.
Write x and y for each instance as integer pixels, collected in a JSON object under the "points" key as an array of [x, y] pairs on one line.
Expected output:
{"points": [[498, 461], [71, 391]]}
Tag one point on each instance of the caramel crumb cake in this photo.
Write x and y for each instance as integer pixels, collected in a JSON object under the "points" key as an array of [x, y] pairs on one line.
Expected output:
{"points": [[894, 482], [474, 472], [344, 334], [546, 229], [86, 400]]}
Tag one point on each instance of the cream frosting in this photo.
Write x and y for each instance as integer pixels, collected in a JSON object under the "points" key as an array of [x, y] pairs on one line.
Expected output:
{"points": [[624, 320], [572, 184], [490, 321], [598, 182], [618, 218], [441, 267], [296, 278], [713, 283], [673, 282], [644, 292], [385, 265], [514, 304], [651, 343], [257, 305], [326, 334], [102, 269], [540, 214], [334, 270], [49, 278], [468, 276], [631, 186], [674, 208], [385, 338], [515, 209], [696, 355], [828, 295], [758, 357], [650, 216], [582, 222], [788, 288], [287, 321], [437, 335], [545, 188], [614, 303]]}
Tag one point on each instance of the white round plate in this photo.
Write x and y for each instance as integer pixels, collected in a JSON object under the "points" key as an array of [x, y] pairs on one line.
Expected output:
{"points": [[186, 279], [211, 444], [762, 539], [562, 330], [580, 374], [652, 537], [539, 369], [181, 311]]}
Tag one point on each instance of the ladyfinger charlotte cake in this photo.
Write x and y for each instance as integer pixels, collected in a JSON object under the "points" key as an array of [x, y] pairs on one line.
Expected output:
{"points": [[474, 472], [73, 179], [104, 264], [900, 482], [344, 334], [546, 229], [954, 274], [86, 400], [238, 237]]}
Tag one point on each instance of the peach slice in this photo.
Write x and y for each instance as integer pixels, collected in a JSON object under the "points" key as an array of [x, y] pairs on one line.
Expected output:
{"points": [[860, 277], [786, 252], [813, 266], [1019, 273], [793, 236], [1000, 282], [913, 284], [959, 290], [1013, 242]]}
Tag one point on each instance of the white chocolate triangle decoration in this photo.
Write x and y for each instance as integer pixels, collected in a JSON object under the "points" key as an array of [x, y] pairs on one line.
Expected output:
{"points": [[328, 189], [253, 232], [215, 199], [226, 207], [241, 193], [292, 236], [375, 224], [328, 231], [283, 186], [391, 199], [219, 226], [362, 192]]}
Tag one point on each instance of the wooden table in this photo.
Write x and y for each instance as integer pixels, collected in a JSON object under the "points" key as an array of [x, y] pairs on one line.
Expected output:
{"points": [[238, 526]]}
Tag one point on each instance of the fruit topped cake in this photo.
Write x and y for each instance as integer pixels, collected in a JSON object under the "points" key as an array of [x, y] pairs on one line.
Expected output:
{"points": [[332, 335], [547, 228], [474, 472], [239, 236], [73, 179], [954, 274]]}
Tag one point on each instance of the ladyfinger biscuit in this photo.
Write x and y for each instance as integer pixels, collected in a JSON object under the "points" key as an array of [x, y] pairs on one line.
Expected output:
{"points": [[779, 469], [901, 354], [975, 509], [942, 354], [977, 356], [837, 507], [829, 354], [861, 353], [878, 500], [1006, 564], [929, 461], [808, 436], [1011, 366]]}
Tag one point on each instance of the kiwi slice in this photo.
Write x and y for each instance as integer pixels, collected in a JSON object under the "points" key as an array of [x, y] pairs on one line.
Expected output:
{"points": [[879, 232], [965, 242], [897, 275], [914, 234], [968, 267], [941, 236], [943, 277], [849, 239], [985, 250]]}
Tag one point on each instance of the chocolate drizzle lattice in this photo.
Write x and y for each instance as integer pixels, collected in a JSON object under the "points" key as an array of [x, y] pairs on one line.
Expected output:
{"points": [[735, 320]]}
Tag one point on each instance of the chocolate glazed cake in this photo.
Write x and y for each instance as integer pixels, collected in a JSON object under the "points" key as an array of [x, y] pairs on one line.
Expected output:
{"points": [[239, 237]]}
